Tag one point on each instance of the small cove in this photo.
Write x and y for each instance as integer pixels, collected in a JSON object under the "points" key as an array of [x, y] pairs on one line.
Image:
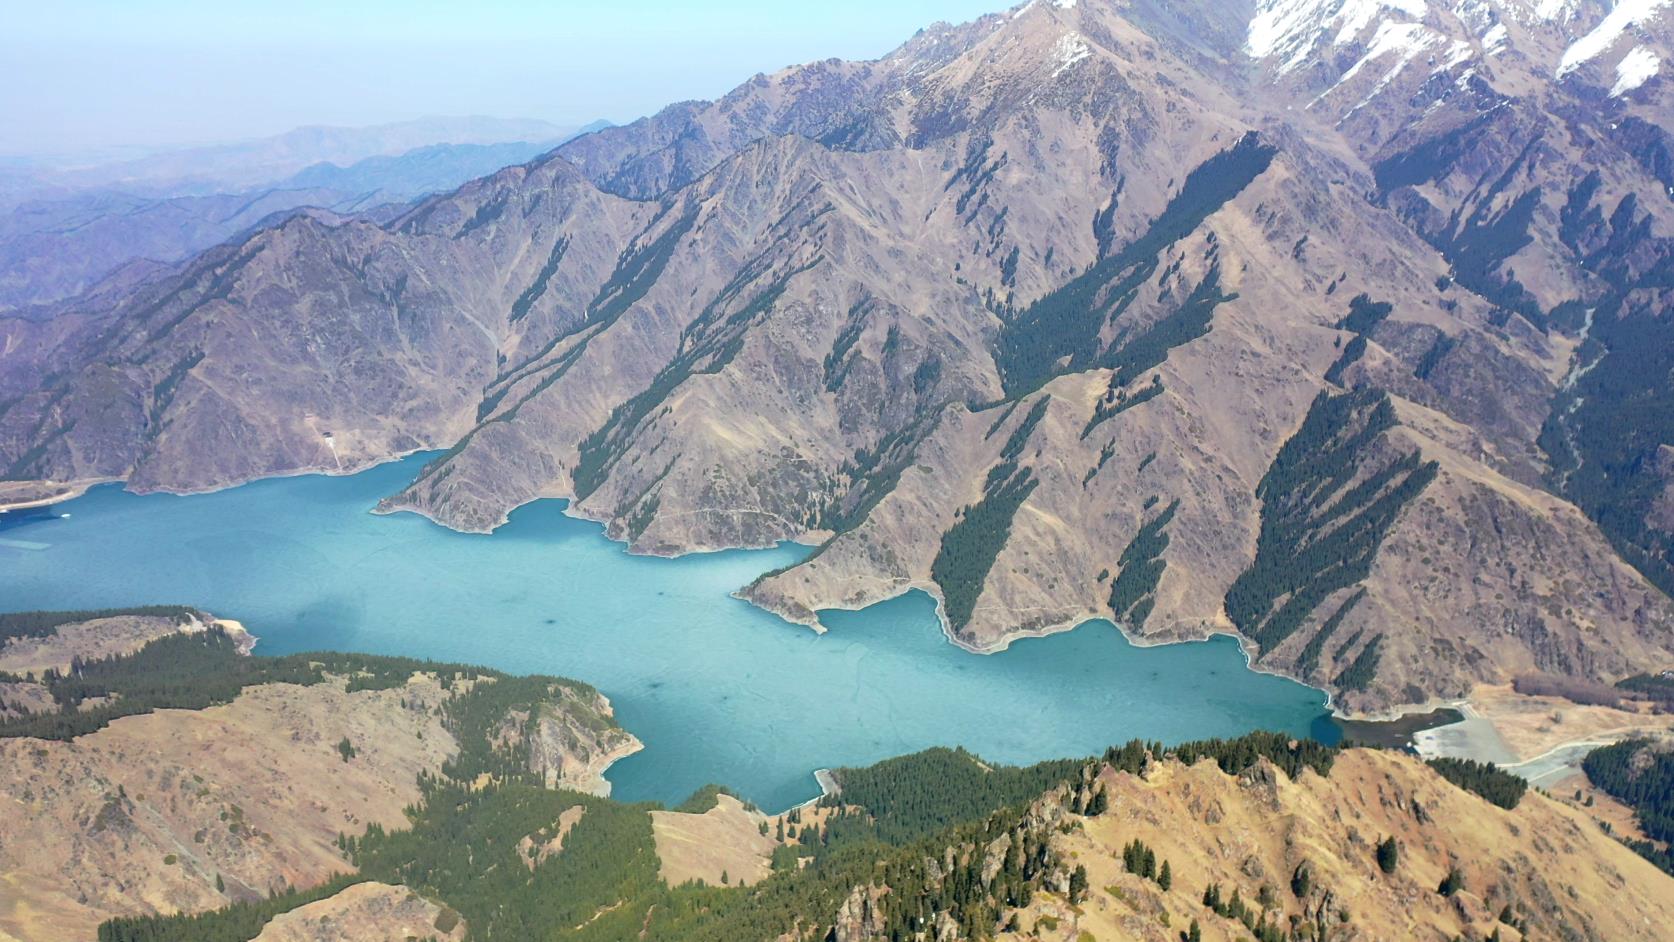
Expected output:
{"points": [[718, 690]]}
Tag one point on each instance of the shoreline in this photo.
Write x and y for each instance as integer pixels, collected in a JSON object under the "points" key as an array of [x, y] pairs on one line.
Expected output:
{"points": [[1392, 715], [72, 491], [76, 489], [812, 622]]}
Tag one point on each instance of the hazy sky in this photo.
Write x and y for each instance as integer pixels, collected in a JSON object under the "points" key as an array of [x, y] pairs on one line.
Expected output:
{"points": [[84, 75]]}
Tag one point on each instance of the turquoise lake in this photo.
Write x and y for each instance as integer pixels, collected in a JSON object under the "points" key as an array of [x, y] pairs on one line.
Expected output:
{"points": [[718, 690]]}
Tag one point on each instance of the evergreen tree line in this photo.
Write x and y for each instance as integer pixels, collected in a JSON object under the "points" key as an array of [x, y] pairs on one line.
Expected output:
{"points": [[461, 846], [1133, 593], [1116, 401], [871, 475], [1141, 861], [1034, 345], [1484, 778], [39, 624], [1320, 532], [707, 345], [1358, 675], [920, 826], [1363, 317], [969, 547], [1657, 688], [1640, 774], [911, 796], [1604, 431], [1478, 245], [191, 672], [232, 924], [1308, 661]]}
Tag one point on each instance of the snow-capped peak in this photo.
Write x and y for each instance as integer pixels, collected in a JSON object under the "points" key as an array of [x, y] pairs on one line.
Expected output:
{"points": [[1626, 15]]}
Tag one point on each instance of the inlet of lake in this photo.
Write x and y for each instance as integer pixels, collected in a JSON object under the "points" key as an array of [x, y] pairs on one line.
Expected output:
{"points": [[718, 690]]}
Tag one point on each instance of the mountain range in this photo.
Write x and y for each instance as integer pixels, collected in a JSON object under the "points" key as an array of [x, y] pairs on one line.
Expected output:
{"points": [[64, 245], [227, 166], [1341, 325]]}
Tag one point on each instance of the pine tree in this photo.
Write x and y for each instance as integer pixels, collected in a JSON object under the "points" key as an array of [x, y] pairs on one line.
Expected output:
{"points": [[1165, 879], [1078, 885], [1389, 855], [220, 887], [1195, 933], [1099, 804], [1451, 883]]}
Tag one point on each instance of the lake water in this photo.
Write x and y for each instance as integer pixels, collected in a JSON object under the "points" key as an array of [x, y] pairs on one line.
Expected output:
{"points": [[718, 690]]}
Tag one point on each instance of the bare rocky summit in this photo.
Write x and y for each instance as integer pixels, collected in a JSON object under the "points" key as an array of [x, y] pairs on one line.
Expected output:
{"points": [[1337, 324]]}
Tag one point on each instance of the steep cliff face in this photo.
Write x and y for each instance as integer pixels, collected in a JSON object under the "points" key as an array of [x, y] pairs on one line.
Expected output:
{"points": [[1042, 313]]}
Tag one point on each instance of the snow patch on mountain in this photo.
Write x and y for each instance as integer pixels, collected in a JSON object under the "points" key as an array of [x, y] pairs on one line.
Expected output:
{"points": [[1291, 28], [1635, 69], [1626, 15], [1071, 48], [1406, 40], [1494, 41]]}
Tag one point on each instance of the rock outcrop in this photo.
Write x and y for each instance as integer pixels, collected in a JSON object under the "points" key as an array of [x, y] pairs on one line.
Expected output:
{"points": [[366, 912]]}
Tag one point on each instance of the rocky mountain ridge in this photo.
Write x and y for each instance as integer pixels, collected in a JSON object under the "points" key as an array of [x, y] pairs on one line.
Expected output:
{"points": [[1309, 321]]}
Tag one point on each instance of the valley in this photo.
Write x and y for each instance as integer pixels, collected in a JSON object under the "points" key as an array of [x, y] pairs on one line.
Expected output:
{"points": [[1103, 470], [718, 690], [1101, 277]]}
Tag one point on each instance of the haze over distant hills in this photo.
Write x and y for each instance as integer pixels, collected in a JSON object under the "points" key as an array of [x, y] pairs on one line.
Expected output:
{"points": [[136, 216], [1341, 325], [211, 168]]}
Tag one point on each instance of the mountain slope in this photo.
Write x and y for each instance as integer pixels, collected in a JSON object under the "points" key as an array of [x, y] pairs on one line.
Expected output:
{"points": [[1204, 317], [191, 790]]}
